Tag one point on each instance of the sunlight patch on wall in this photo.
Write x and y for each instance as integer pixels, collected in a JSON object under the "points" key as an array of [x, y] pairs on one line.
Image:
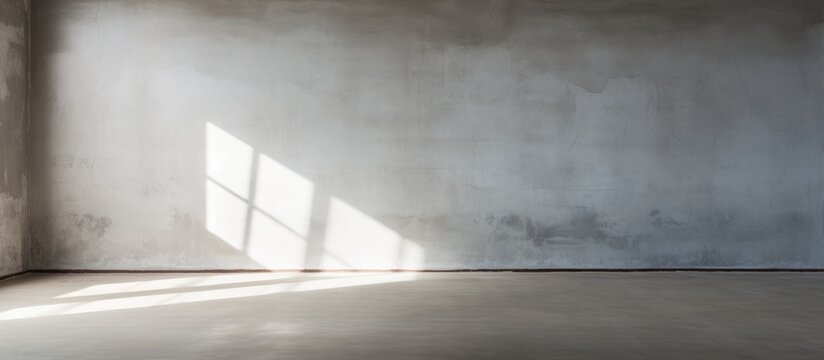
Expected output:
{"points": [[228, 160], [284, 195], [274, 245], [355, 240], [281, 217], [255, 204], [264, 209], [225, 215]]}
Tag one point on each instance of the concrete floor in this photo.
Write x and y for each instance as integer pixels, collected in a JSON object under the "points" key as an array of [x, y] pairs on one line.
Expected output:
{"points": [[413, 316]]}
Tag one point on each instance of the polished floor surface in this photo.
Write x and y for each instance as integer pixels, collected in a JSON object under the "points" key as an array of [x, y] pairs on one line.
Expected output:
{"points": [[666, 315]]}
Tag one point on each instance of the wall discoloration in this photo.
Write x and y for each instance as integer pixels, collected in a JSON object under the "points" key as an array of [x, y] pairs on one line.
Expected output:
{"points": [[492, 134], [12, 96], [13, 88], [12, 234], [581, 225], [90, 227], [659, 220]]}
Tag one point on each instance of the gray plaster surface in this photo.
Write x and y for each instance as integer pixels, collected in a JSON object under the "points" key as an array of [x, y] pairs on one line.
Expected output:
{"points": [[13, 95], [414, 316], [427, 134]]}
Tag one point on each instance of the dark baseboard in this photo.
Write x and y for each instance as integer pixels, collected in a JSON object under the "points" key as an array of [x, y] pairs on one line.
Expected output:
{"points": [[550, 270], [9, 276]]}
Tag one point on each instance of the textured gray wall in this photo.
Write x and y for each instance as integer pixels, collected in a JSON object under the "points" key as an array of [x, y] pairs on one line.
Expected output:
{"points": [[428, 134], [13, 83]]}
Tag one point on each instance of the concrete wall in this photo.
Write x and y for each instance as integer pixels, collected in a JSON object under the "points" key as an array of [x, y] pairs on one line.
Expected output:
{"points": [[13, 85], [428, 134]]}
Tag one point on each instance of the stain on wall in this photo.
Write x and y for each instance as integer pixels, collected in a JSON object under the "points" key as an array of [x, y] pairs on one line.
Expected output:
{"points": [[492, 134], [13, 88]]}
